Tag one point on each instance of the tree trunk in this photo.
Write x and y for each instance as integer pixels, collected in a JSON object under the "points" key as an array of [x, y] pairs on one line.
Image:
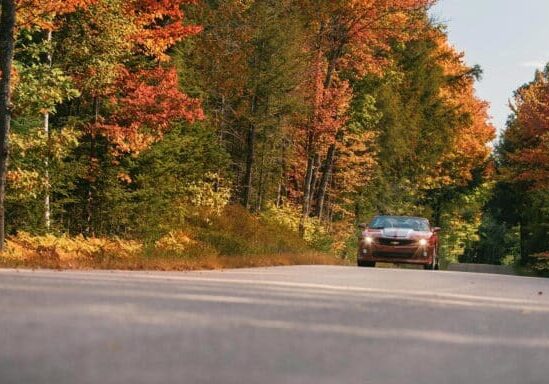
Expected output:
{"points": [[282, 182], [47, 208], [261, 187], [329, 162], [328, 169], [333, 59], [306, 194], [323, 186], [314, 179], [437, 209], [279, 195], [92, 172], [7, 26], [221, 140], [307, 183], [250, 159], [523, 233]]}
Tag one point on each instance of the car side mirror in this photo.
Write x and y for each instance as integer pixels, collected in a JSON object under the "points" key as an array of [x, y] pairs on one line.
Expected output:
{"points": [[363, 226], [436, 229]]}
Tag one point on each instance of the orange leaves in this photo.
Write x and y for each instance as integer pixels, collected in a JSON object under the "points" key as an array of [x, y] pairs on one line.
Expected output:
{"points": [[331, 116], [532, 105], [530, 136], [160, 24], [473, 134], [153, 98], [360, 31], [148, 103], [353, 35], [41, 13], [329, 104]]}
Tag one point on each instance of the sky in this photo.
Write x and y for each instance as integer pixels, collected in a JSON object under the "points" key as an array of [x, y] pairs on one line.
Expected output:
{"points": [[509, 39]]}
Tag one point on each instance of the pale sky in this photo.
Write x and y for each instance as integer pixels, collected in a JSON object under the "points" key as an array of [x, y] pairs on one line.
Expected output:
{"points": [[509, 39]]}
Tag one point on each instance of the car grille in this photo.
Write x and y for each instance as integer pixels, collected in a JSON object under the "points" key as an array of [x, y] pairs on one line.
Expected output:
{"points": [[396, 242]]}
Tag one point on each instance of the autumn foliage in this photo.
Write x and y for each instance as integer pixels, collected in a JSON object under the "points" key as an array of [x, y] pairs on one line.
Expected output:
{"points": [[530, 133], [471, 144], [164, 114], [41, 14], [149, 101]]}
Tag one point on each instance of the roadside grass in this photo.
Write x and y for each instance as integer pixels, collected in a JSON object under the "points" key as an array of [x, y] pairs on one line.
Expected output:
{"points": [[234, 239]]}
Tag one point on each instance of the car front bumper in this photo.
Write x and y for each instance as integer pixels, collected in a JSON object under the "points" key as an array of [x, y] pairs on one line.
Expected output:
{"points": [[411, 254]]}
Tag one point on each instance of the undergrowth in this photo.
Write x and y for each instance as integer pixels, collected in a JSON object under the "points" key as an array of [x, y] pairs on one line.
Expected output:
{"points": [[541, 264], [234, 238]]}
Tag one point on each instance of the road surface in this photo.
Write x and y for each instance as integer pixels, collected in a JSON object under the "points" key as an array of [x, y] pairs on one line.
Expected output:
{"points": [[274, 325]]}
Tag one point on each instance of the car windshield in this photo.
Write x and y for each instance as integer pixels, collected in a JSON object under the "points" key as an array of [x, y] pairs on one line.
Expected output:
{"points": [[382, 222]]}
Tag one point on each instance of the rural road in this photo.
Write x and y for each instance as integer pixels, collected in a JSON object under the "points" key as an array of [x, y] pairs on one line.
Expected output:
{"points": [[273, 325]]}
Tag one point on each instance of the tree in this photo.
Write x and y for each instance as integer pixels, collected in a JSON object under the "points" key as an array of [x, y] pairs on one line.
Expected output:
{"points": [[432, 139], [7, 31], [530, 161], [523, 153], [148, 102], [115, 51], [248, 65], [352, 37], [34, 16]]}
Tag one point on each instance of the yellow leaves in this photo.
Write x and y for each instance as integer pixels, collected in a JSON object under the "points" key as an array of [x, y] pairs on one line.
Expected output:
{"points": [[461, 222], [176, 242], [124, 177], [209, 194], [26, 174], [36, 142], [64, 248], [24, 184], [289, 216]]}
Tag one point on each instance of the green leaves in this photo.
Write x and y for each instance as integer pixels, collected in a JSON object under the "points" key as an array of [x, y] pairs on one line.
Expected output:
{"points": [[41, 88]]}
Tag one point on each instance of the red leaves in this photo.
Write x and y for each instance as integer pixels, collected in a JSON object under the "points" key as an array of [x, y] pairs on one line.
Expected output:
{"points": [[135, 106], [148, 103], [329, 104]]}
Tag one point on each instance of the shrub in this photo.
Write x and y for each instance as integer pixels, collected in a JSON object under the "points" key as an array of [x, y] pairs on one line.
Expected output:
{"points": [[58, 251], [181, 244], [236, 231], [541, 263], [289, 218], [235, 238]]}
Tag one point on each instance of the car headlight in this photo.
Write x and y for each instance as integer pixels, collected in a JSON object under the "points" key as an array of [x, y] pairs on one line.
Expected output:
{"points": [[423, 242], [369, 239]]}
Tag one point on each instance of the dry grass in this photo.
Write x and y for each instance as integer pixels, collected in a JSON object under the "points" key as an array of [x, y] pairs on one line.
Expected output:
{"points": [[234, 240], [57, 258]]}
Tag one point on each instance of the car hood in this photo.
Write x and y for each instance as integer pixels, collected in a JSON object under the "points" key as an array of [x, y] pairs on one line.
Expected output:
{"points": [[403, 233]]}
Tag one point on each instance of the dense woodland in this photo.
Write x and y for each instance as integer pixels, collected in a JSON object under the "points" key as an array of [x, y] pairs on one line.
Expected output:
{"points": [[143, 119]]}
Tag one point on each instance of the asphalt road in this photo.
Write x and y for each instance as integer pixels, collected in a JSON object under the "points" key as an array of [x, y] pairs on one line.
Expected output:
{"points": [[276, 325]]}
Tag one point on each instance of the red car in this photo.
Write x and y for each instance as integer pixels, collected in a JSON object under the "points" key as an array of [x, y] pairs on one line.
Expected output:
{"points": [[400, 240]]}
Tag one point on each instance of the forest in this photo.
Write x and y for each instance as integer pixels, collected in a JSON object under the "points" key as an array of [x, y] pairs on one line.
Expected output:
{"points": [[176, 134]]}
